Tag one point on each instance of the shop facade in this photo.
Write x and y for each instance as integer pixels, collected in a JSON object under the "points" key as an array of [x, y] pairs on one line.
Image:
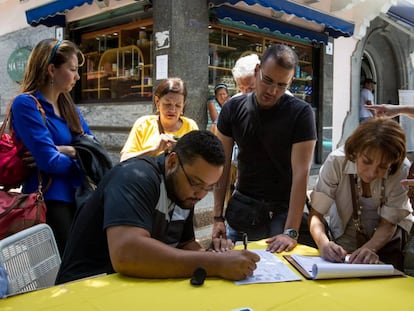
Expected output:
{"points": [[131, 45]]}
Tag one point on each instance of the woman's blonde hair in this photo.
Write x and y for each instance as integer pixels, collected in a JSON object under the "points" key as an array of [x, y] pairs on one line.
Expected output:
{"points": [[56, 52], [378, 134]]}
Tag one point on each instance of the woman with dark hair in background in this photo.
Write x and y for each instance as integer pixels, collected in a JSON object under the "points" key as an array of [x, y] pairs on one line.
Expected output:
{"points": [[214, 105]]}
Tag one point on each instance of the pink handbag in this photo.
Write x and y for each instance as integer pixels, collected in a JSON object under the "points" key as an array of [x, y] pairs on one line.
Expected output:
{"points": [[13, 171], [19, 211]]}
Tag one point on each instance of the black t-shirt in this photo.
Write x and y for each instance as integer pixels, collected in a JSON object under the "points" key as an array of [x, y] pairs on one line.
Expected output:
{"points": [[265, 171], [133, 193]]}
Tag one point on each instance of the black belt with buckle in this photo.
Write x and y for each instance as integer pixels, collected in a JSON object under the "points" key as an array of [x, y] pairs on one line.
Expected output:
{"points": [[275, 206]]}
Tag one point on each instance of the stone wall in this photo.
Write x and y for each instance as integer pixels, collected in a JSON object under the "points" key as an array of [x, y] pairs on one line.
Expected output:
{"points": [[27, 37]]}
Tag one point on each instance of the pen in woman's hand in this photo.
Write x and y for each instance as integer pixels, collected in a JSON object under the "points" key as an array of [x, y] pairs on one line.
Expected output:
{"points": [[245, 240]]}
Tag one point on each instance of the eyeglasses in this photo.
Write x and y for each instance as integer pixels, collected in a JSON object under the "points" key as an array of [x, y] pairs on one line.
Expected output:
{"points": [[269, 83], [196, 186]]}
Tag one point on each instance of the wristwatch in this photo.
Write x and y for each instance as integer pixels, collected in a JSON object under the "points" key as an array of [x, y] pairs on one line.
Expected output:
{"points": [[292, 233]]}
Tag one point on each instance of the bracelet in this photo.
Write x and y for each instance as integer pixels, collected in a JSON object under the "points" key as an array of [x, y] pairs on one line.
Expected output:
{"points": [[219, 218]]}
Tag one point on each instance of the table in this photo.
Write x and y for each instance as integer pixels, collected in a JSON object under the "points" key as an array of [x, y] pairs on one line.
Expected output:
{"points": [[117, 292]]}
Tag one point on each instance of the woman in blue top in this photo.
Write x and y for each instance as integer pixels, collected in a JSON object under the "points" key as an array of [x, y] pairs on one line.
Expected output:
{"points": [[51, 73], [221, 95]]}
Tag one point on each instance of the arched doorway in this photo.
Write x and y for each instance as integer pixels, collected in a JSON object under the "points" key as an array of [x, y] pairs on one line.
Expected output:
{"points": [[381, 55], [368, 71]]}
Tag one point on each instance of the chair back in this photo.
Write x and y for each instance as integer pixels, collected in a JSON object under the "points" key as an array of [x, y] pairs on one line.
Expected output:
{"points": [[31, 259]]}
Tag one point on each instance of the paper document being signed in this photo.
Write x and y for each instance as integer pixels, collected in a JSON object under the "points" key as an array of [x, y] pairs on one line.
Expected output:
{"points": [[270, 269], [314, 267]]}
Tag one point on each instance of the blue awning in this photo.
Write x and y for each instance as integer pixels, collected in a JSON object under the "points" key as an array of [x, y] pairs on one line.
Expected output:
{"points": [[403, 11], [226, 14], [52, 13], [334, 26]]}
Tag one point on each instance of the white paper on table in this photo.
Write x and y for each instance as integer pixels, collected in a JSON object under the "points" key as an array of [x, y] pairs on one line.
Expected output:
{"points": [[319, 268], [270, 269]]}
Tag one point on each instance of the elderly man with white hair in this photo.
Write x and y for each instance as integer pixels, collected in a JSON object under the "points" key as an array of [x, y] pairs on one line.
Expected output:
{"points": [[243, 73]]}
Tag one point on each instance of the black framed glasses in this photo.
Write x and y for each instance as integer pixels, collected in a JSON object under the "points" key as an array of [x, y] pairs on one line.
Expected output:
{"points": [[196, 186], [269, 83]]}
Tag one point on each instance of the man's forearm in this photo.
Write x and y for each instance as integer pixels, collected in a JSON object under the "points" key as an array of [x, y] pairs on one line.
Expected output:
{"points": [[296, 204], [220, 192]]}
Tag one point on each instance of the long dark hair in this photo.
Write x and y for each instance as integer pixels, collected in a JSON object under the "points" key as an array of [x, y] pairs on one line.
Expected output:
{"points": [[56, 52]]}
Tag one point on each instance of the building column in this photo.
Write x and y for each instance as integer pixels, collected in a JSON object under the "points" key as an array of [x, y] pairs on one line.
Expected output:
{"points": [[186, 23]]}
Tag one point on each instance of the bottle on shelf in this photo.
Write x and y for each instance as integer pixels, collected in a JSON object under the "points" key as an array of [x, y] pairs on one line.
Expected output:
{"points": [[297, 72]]}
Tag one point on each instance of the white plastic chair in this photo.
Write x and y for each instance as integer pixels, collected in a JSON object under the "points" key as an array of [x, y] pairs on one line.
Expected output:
{"points": [[31, 259]]}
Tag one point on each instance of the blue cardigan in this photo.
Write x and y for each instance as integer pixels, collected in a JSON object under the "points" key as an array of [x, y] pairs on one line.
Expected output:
{"points": [[41, 140]]}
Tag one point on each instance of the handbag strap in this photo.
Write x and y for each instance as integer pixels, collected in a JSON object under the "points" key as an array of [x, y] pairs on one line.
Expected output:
{"points": [[7, 116], [43, 114], [39, 107], [39, 174]]}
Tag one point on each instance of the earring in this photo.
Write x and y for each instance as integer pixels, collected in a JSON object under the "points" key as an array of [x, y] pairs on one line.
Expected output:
{"points": [[52, 82]]}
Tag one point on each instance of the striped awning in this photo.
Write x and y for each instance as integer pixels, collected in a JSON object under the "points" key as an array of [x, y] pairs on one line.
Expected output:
{"points": [[52, 13]]}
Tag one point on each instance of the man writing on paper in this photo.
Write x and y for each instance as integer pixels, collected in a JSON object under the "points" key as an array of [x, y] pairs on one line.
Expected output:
{"points": [[139, 222], [359, 189]]}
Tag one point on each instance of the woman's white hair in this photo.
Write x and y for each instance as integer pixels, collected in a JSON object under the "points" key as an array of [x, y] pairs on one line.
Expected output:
{"points": [[245, 66]]}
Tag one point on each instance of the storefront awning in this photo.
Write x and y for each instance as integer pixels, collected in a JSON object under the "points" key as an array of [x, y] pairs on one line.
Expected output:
{"points": [[227, 15], [403, 12], [52, 13], [334, 26]]}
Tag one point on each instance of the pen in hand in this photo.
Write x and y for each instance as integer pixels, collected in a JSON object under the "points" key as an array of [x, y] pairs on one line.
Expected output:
{"points": [[245, 240]]}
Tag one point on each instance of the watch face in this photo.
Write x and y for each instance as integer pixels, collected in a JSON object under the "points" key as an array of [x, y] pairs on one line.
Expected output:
{"points": [[291, 233]]}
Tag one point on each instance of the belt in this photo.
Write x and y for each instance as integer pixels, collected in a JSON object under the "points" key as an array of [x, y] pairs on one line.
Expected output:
{"points": [[276, 206]]}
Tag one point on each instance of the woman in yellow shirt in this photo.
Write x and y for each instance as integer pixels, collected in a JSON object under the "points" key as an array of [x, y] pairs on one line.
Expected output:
{"points": [[151, 135]]}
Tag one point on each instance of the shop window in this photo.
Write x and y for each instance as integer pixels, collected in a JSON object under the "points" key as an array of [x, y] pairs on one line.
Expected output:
{"points": [[118, 63], [227, 45]]}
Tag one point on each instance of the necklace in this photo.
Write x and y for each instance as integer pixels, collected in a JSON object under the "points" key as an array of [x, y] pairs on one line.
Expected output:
{"points": [[359, 187]]}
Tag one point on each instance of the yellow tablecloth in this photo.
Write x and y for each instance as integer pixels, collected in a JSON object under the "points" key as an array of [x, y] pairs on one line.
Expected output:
{"points": [[116, 292]]}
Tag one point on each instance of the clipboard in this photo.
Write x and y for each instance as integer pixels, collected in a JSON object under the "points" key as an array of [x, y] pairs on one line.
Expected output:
{"points": [[357, 274], [298, 267]]}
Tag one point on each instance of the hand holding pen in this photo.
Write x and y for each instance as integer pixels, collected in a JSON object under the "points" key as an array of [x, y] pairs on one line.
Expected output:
{"points": [[332, 252]]}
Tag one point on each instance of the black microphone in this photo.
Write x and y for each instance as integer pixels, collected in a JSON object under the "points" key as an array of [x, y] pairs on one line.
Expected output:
{"points": [[199, 276]]}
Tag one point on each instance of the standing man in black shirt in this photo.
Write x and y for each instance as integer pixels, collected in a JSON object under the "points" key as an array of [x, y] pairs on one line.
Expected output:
{"points": [[276, 137]]}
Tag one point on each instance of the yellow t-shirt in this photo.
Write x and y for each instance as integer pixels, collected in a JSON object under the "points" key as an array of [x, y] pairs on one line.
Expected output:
{"points": [[145, 134]]}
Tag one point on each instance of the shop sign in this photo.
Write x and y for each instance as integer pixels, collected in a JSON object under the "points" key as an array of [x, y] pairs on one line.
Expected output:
{"points": [[16, 64]]}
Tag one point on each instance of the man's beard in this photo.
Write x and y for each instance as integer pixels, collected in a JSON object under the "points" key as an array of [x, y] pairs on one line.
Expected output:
{"points": [[172, 188]]}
